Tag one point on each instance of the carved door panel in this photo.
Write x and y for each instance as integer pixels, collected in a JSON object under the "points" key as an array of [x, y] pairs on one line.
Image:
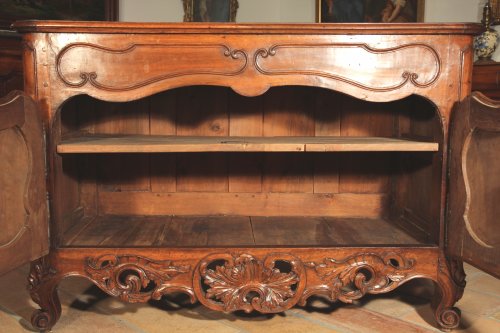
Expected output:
{"points": [[23, 204], [474, 197]]}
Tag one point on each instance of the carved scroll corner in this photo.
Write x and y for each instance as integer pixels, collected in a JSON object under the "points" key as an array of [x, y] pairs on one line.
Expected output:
{"points": [[243, 282], [351, 278], [135, 278]]}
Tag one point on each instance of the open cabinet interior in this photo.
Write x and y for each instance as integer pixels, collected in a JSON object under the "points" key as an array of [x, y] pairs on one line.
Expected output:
{"points": [[203, 166]]}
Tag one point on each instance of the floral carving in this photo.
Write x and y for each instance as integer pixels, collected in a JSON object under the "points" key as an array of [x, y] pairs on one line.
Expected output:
{"points": [[128, 277], [245, 283], [353, 277]]}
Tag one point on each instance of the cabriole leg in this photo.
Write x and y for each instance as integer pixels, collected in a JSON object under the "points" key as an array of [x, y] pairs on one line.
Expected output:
{"points": [[450, 286], [43, 281]]}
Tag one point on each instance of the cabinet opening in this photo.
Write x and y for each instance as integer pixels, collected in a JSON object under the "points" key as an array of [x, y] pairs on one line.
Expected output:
{"points": [[371, 174]]}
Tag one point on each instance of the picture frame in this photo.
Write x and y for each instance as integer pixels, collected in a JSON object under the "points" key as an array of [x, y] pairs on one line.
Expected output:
{"points": [[78, 10], [375, 11], [210, 10]]}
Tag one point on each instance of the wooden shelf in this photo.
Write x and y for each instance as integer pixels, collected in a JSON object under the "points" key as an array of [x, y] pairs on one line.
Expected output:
{"points": [[200, 231], [184, 144]]}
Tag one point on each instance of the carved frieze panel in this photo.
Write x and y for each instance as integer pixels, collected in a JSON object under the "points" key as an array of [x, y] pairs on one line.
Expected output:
{"points": [[360, 65], [138, 65], [242, 282], [134, 278], [351, 278]]}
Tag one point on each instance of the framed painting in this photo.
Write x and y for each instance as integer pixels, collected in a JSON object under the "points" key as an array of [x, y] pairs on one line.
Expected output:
{"points": [[210, 10], [379, 11], [78, 10]]}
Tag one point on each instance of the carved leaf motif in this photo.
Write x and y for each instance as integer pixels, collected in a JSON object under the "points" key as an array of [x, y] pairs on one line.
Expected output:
{"points": [[351, 278], [128, 276], [234, 282]]}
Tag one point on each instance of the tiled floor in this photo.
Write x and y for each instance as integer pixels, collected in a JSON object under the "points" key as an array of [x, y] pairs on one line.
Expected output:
{"points": [[87, 309]]}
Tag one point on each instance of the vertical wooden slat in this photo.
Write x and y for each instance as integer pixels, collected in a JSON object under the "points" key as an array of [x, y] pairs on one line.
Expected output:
{"points": [[86, 108], [327, 118], [202, 110], [124, 172], [246, 119], [288, 111], [365, 173], [162, 122]]}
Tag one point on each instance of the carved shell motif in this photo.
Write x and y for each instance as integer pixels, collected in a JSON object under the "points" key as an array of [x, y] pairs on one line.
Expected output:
{"points": [[128, 277], [353, 277], [245, 283]]}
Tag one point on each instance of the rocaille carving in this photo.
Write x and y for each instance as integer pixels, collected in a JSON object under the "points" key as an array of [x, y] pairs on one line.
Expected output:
{"points": [[127, 276], [42, 285], [291, 68], [245, 283], [351, 278], [92, 77]]}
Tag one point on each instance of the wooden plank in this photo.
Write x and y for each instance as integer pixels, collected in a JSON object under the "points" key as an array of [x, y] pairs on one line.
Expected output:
{"points": [[361, 118], [288, 111], [209, 231], [162, 122], [201, 231], [327, 119], [202, 111], [190, 144], [258, 204], [303, 231], [245, 119], [123, 172]]}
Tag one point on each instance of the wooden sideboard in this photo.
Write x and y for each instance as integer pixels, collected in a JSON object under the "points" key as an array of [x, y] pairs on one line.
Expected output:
{"points": [[486, 78], [247, 166], [11, 62]]}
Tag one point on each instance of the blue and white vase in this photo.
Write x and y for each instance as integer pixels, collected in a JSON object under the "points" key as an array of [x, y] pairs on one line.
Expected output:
{"points": [[485, 44]]}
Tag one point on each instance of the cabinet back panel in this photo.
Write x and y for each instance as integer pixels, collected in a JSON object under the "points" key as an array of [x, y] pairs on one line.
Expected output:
{"points": [[216, 111]]}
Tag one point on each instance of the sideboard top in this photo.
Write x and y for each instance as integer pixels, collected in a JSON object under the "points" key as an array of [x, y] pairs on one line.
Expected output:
{"points": [[241, 28]]}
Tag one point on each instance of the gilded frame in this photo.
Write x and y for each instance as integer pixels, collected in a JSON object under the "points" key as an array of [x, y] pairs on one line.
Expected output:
{"points": [[189, 10], [420, 10], [189, 7]]}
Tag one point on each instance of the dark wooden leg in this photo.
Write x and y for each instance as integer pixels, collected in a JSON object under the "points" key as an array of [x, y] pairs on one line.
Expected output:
{"points": [[43, 281], [450, 287]]}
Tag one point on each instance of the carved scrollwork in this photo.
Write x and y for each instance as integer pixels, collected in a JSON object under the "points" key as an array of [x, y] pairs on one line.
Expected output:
{"points": [[451, 283], [343, 71], [134, 278], [42, 285], [368, 273], [243, 282], [172, 62]]}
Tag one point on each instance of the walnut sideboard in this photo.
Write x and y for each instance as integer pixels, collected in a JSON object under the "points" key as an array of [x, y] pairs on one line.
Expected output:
{"points": [[248, 166]]}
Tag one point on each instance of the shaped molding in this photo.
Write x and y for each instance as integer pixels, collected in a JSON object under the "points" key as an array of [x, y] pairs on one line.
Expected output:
{"points": [[139, 65], [374, 69]]}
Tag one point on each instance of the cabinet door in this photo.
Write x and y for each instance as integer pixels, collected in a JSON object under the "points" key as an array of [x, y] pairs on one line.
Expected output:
{"points": [[23, 199], [474, 198]]}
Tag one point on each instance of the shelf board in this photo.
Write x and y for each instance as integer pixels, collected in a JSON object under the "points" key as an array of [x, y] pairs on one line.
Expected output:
{"points": [[187, 144], [201, 231]]}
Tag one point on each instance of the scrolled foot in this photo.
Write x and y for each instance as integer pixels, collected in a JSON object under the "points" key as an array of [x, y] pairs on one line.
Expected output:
{"points": [[450, 284], [42, 321], [43, 281], [448, 318]]}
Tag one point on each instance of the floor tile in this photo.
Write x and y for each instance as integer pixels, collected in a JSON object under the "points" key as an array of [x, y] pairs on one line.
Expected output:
{"points": [[155, 319], [361, 320], [484, 283], [478, 303]]}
